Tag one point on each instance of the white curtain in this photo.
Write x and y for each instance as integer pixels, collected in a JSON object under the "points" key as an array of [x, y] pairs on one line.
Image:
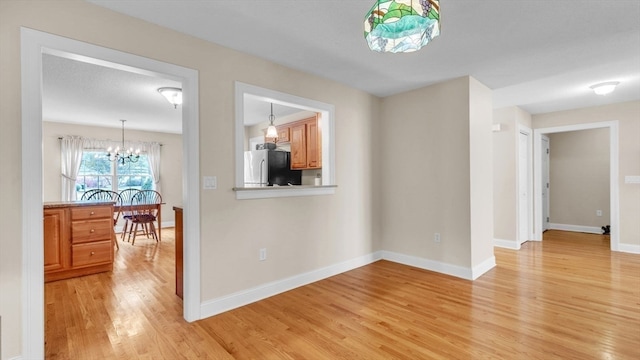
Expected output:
{"points": [[153, 154], [71, 157]]}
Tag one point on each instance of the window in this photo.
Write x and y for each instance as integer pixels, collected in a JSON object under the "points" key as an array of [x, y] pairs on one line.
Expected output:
{"points": [[326, 111], [97, 172]]}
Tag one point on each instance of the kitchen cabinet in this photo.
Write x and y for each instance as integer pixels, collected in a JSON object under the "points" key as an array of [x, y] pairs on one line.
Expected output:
{"points": [[78, 239], [56, 255], [306, 144], [283, 134]]}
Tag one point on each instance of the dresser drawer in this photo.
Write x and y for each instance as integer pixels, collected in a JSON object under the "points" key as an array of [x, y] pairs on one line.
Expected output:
{"points": [[95, 253], [91, 212], [91, 230]]}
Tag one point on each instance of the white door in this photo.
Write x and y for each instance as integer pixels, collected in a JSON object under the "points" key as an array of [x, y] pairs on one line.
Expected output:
{"points": [[545, 182], [524, 181]]}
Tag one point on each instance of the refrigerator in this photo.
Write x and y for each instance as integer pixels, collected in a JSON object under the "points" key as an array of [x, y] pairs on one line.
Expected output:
{"points": [[269, 168]]}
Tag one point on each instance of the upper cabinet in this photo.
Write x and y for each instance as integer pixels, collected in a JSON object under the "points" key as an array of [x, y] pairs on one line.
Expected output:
{"points": [[306, 144], [283, 133]]}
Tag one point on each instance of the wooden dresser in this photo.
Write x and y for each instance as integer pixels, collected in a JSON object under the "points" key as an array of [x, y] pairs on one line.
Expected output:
{"points": [[78, 239]]}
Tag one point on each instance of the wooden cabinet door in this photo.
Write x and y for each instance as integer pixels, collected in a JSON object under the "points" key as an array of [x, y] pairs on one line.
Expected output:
{"points": [[56, 243], [313, 145], [297, 133], [283, 134]]}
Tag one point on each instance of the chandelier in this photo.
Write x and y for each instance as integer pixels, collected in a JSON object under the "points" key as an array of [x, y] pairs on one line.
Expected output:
{"points": [[402, 25], [121, 155]]}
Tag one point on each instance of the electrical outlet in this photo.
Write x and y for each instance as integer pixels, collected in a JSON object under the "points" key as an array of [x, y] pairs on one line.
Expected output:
{"points": [[436, 237], [263, 254], [598, 212]]}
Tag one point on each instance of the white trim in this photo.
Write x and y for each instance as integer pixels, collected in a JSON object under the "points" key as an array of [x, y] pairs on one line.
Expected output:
{"points": [[273, 192], [33, 45], [328, 142], [438, 266], [168, 224], [546, 208], [32, 233], [507, 244], [629, 248], [576, 228], [241, 298], [483, 267], [613, 175], [244, 297], [528, 132]]}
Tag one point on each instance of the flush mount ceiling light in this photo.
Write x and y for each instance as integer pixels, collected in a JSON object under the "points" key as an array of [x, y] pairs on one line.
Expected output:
{"points": [[173, 95], [272, 133], [605, 87], [402, 25]]}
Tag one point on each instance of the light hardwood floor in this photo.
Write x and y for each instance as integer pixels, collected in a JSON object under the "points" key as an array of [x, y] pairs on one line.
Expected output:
{"points": [[567, 297]]}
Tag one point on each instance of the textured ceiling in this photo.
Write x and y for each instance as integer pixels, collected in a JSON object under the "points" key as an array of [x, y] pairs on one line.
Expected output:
{"points": [[539, 55]]}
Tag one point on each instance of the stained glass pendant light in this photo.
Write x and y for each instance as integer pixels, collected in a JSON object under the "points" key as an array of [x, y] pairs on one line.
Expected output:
{"points": [[402, 25]]}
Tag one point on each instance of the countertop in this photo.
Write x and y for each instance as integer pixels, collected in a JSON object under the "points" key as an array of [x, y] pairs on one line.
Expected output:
{"points": [[64, 204]]}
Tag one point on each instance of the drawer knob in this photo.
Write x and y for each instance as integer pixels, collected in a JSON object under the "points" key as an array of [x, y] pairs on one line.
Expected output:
{"points": [[92, 213], [93, 253], [91, 230]]}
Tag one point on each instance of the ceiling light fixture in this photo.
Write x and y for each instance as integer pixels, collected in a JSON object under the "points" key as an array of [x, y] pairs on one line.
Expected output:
{"points": [[120, 155], [173, 95], [272, 133], [402, 25], [605, 87]]}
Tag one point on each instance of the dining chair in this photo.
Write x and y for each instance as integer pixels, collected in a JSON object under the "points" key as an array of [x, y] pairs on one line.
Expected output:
{"points": [[144, 212], [125, 196], [107, 195], [88, 193]]}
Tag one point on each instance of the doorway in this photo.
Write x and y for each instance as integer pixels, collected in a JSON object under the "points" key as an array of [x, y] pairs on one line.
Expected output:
{"points": [[33, 45], [613, 175]]}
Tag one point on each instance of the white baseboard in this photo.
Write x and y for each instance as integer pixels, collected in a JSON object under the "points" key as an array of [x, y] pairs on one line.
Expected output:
{"points": [[168, 224], [245, 297], [507, 244], [484, 266], [576, 228], [165, 224], [629, 248], [441, 267]]}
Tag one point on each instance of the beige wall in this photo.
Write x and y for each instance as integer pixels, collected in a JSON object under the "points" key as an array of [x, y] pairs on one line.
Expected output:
{"points": [[319, 230], [425, 177], [579, 177], [628, 116], [505, 170], [170, 166]]}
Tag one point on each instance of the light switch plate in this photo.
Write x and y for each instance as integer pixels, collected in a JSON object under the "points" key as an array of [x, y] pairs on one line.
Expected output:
{"points": [[632, 179], [209, 182]]}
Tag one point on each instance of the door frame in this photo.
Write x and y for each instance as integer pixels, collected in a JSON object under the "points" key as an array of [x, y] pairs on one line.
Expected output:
{"points": [[545, 204], [33, 44], [526, 131], [614, 191]]}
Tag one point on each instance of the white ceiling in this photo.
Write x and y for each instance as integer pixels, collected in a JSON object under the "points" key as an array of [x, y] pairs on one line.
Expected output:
{"points": [[539, 55]]}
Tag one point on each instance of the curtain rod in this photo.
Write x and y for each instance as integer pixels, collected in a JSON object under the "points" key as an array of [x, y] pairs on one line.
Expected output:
{"points": [[60, 138]]}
